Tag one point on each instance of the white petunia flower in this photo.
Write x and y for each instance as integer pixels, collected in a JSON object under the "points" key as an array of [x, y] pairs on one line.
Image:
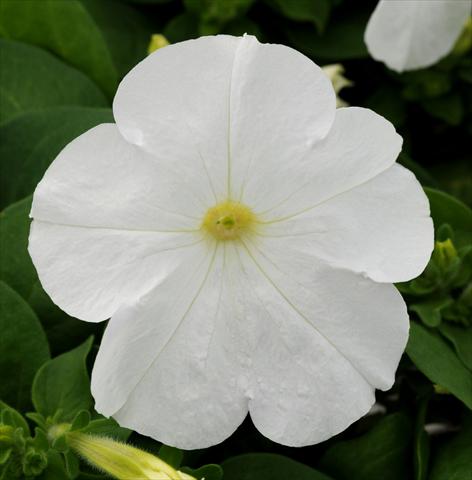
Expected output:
{"points": [[412, 34], [242, 234]]}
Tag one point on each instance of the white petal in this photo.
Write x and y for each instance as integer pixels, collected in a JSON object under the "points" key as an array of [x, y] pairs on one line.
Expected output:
{"points": [[90, 272], [171, 366], [175, 104], [100, 180], [108, 224], [228, 107], [380, 228], [281, 105], [359, 146], [329, 338], [412, 34]]}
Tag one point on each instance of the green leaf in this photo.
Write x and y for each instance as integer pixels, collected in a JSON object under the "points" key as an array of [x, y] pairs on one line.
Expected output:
{"points": [[381, 453], [66, 29], [421, 441], [107, 427], [426, 84], [423, 175], [386, 102], [38, 419], [63, 383], [268, 466], [91, 476], [240, 26], [456, 176], [171, 455], [126, 32], [60, 444], [149, 1], [5, 454], [314, 11], [449, 108], [447, 209], [461, 338], [16, 267], [182, 27], [81, 420], [438, 361], [453, 459], [207, 472], [102, 39], [10, 416], [71, 463], [430, 311], [63, 331], [56, 469], [342, 40], [17, 270], [41, 441], [31, 141], [32, 79], [23, 348], [214, 14]]}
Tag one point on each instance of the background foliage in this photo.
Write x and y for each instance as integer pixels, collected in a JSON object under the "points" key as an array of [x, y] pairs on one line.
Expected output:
{"points": [[61, 62]]}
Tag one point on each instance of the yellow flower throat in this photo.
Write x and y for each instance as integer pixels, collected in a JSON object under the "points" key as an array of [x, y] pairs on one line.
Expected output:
{"points": [[228, 220]]}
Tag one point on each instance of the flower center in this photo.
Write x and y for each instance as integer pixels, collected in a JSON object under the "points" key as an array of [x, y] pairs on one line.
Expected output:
{"points": [[228, 220]]}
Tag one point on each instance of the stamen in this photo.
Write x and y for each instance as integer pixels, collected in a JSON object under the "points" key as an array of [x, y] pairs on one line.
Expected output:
{"points": [[228, 220]]}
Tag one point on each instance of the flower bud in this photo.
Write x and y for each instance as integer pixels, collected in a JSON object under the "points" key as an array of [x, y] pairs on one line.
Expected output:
{"points": [[34, 462], [444, 254], [6, 433], [157, 41], [335, 74], [122, 461], [12, 436]]}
